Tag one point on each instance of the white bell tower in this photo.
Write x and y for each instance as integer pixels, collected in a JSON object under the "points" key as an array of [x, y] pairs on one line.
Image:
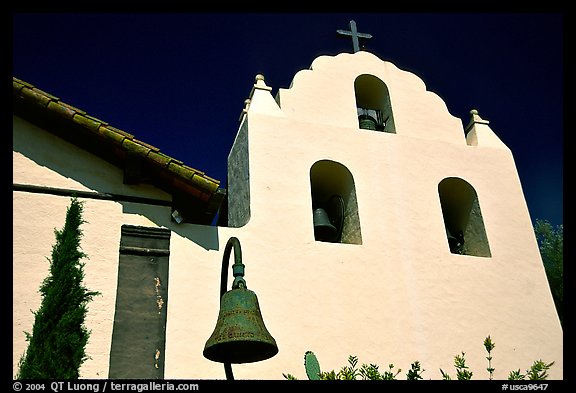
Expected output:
{"points": [[377, 226]]}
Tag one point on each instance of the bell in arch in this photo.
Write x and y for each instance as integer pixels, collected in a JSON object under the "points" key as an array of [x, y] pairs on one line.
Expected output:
{"points": [[240, 335], [323, 228], [328, 219], [366, 122]]}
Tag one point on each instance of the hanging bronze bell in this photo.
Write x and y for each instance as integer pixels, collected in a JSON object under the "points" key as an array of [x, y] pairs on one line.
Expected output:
{"points": [[240, 335], [323, 228], [366, 122]]}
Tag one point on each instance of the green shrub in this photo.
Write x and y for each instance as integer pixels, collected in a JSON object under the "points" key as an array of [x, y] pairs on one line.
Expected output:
{"points": [[538, 370], [57, 342]]}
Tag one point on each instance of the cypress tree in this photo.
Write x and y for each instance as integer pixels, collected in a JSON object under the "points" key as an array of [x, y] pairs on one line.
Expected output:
{"points": [[56, 348]]}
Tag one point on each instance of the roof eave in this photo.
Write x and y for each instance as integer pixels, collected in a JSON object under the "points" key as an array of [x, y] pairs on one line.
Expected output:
{"points": [[202, 193]]}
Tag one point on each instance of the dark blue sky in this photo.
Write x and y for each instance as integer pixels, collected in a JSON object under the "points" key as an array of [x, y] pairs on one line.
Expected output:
{"points": [[179, 81]]}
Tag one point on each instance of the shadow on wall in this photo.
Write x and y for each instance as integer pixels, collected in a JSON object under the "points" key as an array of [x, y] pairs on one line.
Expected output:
{"points": [[103, 179], [205, 236]]}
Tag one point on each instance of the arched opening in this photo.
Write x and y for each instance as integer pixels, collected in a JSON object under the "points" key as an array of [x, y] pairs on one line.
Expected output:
{"points": [[373, 105], [334, 204], [463, 220]]}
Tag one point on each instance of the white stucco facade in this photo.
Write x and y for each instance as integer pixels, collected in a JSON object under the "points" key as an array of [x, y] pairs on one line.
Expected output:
{"points": [[398, 297]]}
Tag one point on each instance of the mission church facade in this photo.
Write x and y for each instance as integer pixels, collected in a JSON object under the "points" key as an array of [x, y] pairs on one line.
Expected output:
{"points": [[371, 224]]}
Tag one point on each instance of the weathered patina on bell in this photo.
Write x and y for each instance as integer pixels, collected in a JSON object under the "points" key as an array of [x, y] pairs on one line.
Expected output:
{"points": [[240, 335], [366, 122], [323, 228]]}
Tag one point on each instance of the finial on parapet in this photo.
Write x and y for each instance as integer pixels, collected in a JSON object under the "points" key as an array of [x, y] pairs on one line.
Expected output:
{"points": [[245, 109], [259, 84], [475, 119]]}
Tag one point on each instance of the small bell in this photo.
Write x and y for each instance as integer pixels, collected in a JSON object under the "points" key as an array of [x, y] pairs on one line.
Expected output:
{"points": [[366, 122], [323, 228]]}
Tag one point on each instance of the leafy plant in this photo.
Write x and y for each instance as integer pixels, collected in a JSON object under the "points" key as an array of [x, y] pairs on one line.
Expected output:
{"points": [[515, 375], [349, 372], [445, 376], [328, 376], [415, 371], [461, 368], [389, 375], [538, 370], [462, 372], [289, 377], [489, 345]]}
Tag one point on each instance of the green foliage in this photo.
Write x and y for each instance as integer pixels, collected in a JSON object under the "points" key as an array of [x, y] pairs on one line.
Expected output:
{"points": [[462, 372], [328, 376], [445, 376], [515, 375], [57, 342], [389, 374], [461, 368], [489, 345], [370, 372], [551, 243], [349, 372], [538, 370], [415, 371]]}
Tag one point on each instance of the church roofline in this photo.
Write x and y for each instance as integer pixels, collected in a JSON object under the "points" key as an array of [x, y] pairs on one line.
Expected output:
{"points": [[121, 149]]}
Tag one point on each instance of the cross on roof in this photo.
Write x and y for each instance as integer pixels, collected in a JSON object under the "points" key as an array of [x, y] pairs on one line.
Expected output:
{"points": [[355, 35]]}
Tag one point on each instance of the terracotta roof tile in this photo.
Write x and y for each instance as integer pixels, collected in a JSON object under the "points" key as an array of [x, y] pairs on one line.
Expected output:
{"points": [[109, 134], [61, 109], [119, 131], [134, 147], [35, 96], [180, 170], [21, 83], [160, 158], [45, 94], [72, 108], [204, 183], [86, 122]]}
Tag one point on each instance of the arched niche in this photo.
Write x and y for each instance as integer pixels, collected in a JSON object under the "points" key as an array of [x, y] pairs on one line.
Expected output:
{"points": [[463, 220], [333, 190], [373, 105]]}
